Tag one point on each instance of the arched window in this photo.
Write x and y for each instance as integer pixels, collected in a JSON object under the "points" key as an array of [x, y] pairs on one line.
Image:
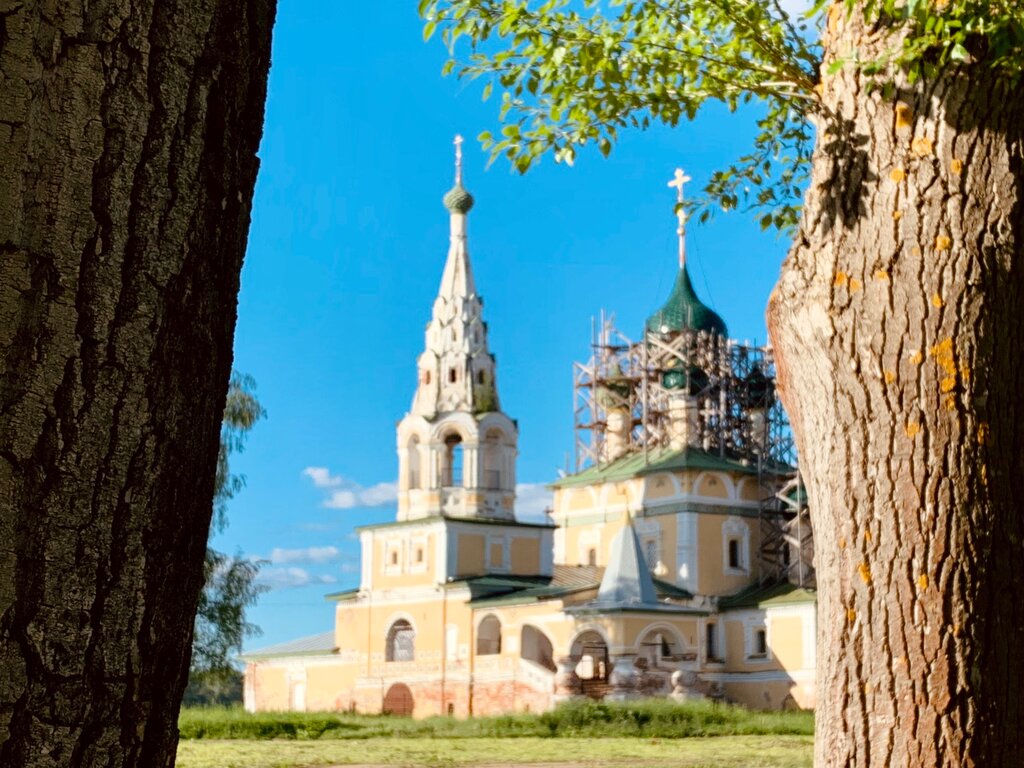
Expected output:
{"points": [[534, 646], [488, 637], [413, 457], [451, 468], [401, 642]]}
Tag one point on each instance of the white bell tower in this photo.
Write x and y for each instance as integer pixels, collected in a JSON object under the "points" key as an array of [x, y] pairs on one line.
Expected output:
{"points": [[456, 449]]}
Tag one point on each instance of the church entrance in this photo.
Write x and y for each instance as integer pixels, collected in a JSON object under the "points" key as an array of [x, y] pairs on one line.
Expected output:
{"points": [[593, 667], [398, 700]]}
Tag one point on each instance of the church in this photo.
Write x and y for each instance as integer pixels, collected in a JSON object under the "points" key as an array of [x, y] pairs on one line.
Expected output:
{"points": [[676, 561]]}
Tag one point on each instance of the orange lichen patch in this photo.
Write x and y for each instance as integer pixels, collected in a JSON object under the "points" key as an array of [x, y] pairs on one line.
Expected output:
{"points": [[841, 279], [916, 250], [851, 615], [965, 371], [890, 376], [820, 89], [916, 357], [835, 13], [922, 146], [936, 300], [943, 354], [864, 571], [904, 116], [950, 403], [881, 274], [943, 243], [855, 285], [897, 215], [956, 166], [897, 175], [842, 543], [867, 535], [983, 433], [957, 630], [912, 429], [948, 384], [922, 581]]}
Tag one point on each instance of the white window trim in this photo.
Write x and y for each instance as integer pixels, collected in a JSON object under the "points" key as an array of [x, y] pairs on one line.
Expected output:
{"points": [[418, 542], [392, 569], [736, 528], [751, 628]]}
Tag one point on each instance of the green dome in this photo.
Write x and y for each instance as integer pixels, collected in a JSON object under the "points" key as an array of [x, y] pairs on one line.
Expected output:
{"points": [[684, 310], [458, 200]]}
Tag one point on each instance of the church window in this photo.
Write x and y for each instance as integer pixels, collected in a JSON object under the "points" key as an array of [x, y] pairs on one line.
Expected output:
{"points": [[401, 642], [734, 554], [452, 469], [481, 377], [592, 556], [651, 553], [452, 375], [419, 554], [426, 377], [493, 479], [488, 637], [394, 557], [711, 640], [761, 642]]}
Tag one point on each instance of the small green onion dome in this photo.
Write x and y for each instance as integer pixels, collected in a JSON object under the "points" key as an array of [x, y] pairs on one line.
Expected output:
{"points": [[458, 200], [684, 310]]}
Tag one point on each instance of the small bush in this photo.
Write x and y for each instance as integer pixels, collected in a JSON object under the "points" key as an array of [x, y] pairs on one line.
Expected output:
{"points": [[652, 718]]}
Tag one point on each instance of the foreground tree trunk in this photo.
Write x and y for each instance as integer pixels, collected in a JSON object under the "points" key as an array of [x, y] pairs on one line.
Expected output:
{"points": [[899, 323], [128, 133]]}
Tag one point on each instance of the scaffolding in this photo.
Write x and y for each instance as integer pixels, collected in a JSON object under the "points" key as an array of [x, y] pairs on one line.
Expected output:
{"points": [[694, 388]]}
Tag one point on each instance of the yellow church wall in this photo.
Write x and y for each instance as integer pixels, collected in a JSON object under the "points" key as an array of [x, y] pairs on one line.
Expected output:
{"points": [[769, 694], [525, 556], [786, 639], [409, 570], [270, 686], [470, 554], [634, 628], [661, 485], [713, 579], [713, 485]]}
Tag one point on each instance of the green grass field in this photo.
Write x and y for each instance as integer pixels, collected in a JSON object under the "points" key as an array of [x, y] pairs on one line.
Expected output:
{"points": [[615, 752], [648, 734]]}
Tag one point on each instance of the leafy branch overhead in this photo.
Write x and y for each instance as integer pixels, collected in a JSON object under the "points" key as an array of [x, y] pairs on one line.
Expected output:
{"points": [[575, 73]]}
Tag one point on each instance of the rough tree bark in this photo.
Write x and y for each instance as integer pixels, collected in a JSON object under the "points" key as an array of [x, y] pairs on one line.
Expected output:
{"points": [[128, 138], [898, 323]]}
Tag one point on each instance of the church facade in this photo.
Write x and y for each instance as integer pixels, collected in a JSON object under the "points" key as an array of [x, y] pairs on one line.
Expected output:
{"points": [[647, 579]]}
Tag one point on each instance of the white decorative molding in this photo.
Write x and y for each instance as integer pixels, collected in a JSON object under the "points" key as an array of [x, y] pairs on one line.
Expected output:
{"points": [[687, 552]]}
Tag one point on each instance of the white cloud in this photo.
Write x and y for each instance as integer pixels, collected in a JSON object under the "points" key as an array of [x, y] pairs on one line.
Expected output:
{"points": [[280, 556], [532, 499], [346, 494], [322, 477], [289, 578]]}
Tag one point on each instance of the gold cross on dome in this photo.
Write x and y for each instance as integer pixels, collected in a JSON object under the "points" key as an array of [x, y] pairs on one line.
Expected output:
{"points": [[678, 181], [458, 158]]}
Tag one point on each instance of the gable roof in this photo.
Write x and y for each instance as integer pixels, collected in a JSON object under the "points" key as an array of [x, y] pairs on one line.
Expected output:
{"points": [[655, 460], [757, 596], [314, 645]]}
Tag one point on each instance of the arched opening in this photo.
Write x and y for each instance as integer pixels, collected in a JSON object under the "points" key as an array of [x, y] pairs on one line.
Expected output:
{"points": [[661, 648], [398, 700], [493, 456], [451, 466], [413, 459], [488, 637], [401, 642], [534, 646], [592, 664]]}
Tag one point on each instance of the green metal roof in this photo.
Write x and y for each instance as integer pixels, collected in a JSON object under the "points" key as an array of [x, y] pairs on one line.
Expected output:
{"points": [[756, 596], [655, 460], [314, 645], [684, 310], [567, 579]]}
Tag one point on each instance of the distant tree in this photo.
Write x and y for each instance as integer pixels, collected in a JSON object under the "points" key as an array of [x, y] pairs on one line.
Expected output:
{"points": [[230, 585], [896, 323], [128, 138]]}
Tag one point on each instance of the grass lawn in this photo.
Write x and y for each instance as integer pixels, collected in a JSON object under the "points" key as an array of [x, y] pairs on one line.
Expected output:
{"points": [[616, 752]]}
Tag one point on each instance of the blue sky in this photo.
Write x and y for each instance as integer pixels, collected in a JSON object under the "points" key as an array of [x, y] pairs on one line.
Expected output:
{"points": [[345, 254]]}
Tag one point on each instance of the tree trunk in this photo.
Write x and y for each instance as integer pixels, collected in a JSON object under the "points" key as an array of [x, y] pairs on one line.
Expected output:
{"points": [[898, 324], [128, 133]]}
